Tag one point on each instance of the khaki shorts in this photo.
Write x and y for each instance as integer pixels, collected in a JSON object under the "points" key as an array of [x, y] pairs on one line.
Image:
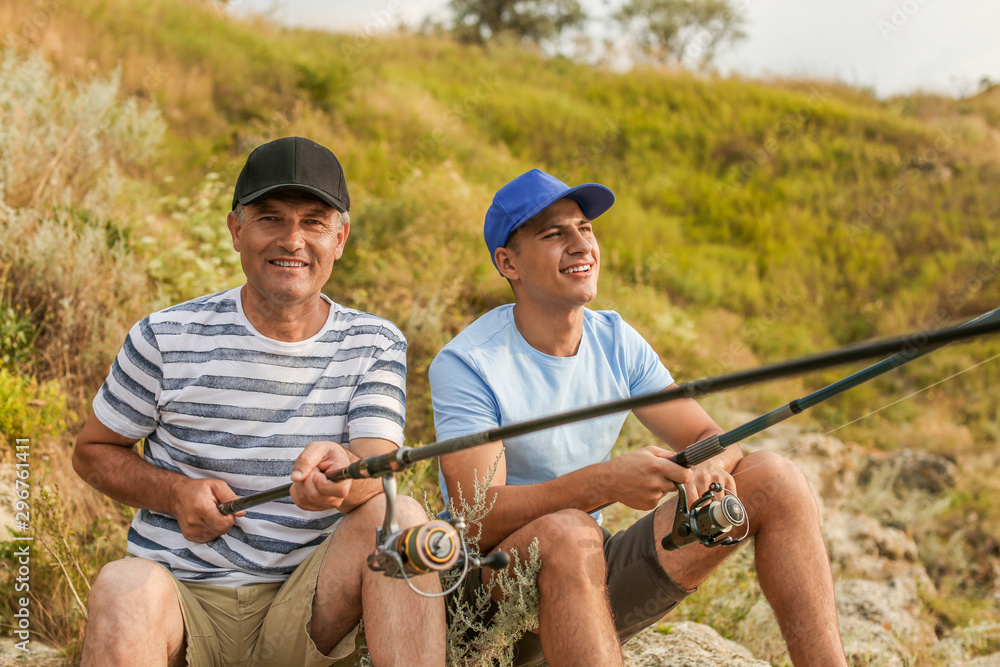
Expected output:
{"points": [[640, 591], [260, 625]]}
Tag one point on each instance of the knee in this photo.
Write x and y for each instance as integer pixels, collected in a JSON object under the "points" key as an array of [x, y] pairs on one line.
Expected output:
{"points": [[409, 512], [567, 533], [767, 480], [123, 586]]}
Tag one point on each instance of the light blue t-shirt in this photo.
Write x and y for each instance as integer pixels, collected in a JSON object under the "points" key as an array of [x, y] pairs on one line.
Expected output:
{"points": [[489, 376]]}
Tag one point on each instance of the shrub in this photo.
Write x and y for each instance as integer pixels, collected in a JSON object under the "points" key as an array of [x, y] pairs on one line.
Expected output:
{"points": [[29, 409]]}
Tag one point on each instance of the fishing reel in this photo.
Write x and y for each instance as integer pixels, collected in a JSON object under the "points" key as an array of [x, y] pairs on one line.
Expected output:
{"points": [[428, 547], [707, 520], [434, 546]]}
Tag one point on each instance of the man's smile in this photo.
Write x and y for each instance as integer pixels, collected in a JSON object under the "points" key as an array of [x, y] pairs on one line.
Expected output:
{"points": [[579, 268]]}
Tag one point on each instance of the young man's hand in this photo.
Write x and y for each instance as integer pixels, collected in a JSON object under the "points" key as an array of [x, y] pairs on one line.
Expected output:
{"points": [[642, 477], [704, 474]]}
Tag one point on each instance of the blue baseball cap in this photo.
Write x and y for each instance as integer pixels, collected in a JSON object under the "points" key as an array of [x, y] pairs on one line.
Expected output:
{"points": [[531, 193]]}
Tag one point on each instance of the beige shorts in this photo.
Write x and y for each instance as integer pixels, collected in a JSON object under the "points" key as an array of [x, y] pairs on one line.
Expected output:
{"points": [[260, 625]]}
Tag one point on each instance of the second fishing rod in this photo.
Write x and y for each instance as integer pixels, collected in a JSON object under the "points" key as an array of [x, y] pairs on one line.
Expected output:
{"points": [[902, 348], [435, 546]]}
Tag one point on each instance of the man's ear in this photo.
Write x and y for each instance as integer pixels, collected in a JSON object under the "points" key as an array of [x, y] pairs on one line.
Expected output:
{"points": [[506, 261], [234, 229], [343, 231]]}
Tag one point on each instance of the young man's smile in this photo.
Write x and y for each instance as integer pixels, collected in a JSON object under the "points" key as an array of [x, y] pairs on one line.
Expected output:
{"points": [[577, 269]]}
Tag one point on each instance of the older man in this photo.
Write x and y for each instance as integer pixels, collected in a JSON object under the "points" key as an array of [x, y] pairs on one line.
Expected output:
{"points": [[549, 353], [237, 392]]}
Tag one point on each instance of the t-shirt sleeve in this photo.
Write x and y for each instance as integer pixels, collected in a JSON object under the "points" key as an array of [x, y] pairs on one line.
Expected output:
{"points": [[378, 405], [646, 373], [463, 401], [127, 402]]}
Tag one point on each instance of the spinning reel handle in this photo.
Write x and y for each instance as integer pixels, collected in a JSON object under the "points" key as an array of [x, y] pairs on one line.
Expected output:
{"points": [[495, 561]]}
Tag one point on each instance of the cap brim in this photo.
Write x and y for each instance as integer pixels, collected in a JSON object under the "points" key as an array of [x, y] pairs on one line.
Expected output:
{"points": [[263, 192], [594, 200]]}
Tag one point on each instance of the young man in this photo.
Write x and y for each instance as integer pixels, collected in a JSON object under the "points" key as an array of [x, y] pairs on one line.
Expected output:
{"points": [[235, 393], [548, 353]]}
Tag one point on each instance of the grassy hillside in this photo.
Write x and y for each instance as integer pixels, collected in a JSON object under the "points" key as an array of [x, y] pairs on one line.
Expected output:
{"points": [[755, 221]]}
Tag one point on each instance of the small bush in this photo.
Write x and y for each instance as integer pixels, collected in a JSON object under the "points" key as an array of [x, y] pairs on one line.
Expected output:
{"points": [[29, 409], [17, 337]]}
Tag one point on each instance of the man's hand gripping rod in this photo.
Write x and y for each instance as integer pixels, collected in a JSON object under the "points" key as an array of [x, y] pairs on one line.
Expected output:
{"points": [[434, 546], [903, 348]]}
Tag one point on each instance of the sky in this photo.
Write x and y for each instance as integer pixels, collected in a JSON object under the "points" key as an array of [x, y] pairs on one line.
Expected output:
{"points": [[890, 46]]}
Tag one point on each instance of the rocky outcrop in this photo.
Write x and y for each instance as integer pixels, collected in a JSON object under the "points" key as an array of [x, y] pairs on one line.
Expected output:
{"points": [[687, 644], [879, 575]]}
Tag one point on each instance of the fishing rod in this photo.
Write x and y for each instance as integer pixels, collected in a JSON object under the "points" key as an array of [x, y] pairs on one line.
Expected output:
{"points": [[707, 520], [438, 545], [903, 348]]}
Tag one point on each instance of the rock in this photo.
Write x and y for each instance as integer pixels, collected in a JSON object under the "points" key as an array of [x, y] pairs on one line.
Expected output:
{"points": [[960, 647], [892, 607], [38, 655], [686, 644], [870, 644], [861, 547], [984, 661], [829, 465], [910, 470], [760, 633], [950, 651], [879, 622]]}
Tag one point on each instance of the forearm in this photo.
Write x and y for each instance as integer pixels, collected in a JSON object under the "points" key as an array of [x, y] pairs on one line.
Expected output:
{"points": [[122, 474], [362, 490]]}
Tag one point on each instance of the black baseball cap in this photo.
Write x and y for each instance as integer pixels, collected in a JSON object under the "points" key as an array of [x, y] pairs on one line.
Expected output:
{"points": [[293, 163]]}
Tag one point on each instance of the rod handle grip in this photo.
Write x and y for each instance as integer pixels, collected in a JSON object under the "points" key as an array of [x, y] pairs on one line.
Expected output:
{"points": [[700, 451]]}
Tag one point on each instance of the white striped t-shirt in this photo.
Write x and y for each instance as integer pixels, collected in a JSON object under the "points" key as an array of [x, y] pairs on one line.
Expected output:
{"points": [[215, 398]]}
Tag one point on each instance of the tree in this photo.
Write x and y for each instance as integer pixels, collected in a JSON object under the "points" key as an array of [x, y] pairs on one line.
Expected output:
{"points": [[684, 31], [534, 21]]}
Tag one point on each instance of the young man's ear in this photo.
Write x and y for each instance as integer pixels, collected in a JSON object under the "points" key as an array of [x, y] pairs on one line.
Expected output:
{"points": [[506, 262]]}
